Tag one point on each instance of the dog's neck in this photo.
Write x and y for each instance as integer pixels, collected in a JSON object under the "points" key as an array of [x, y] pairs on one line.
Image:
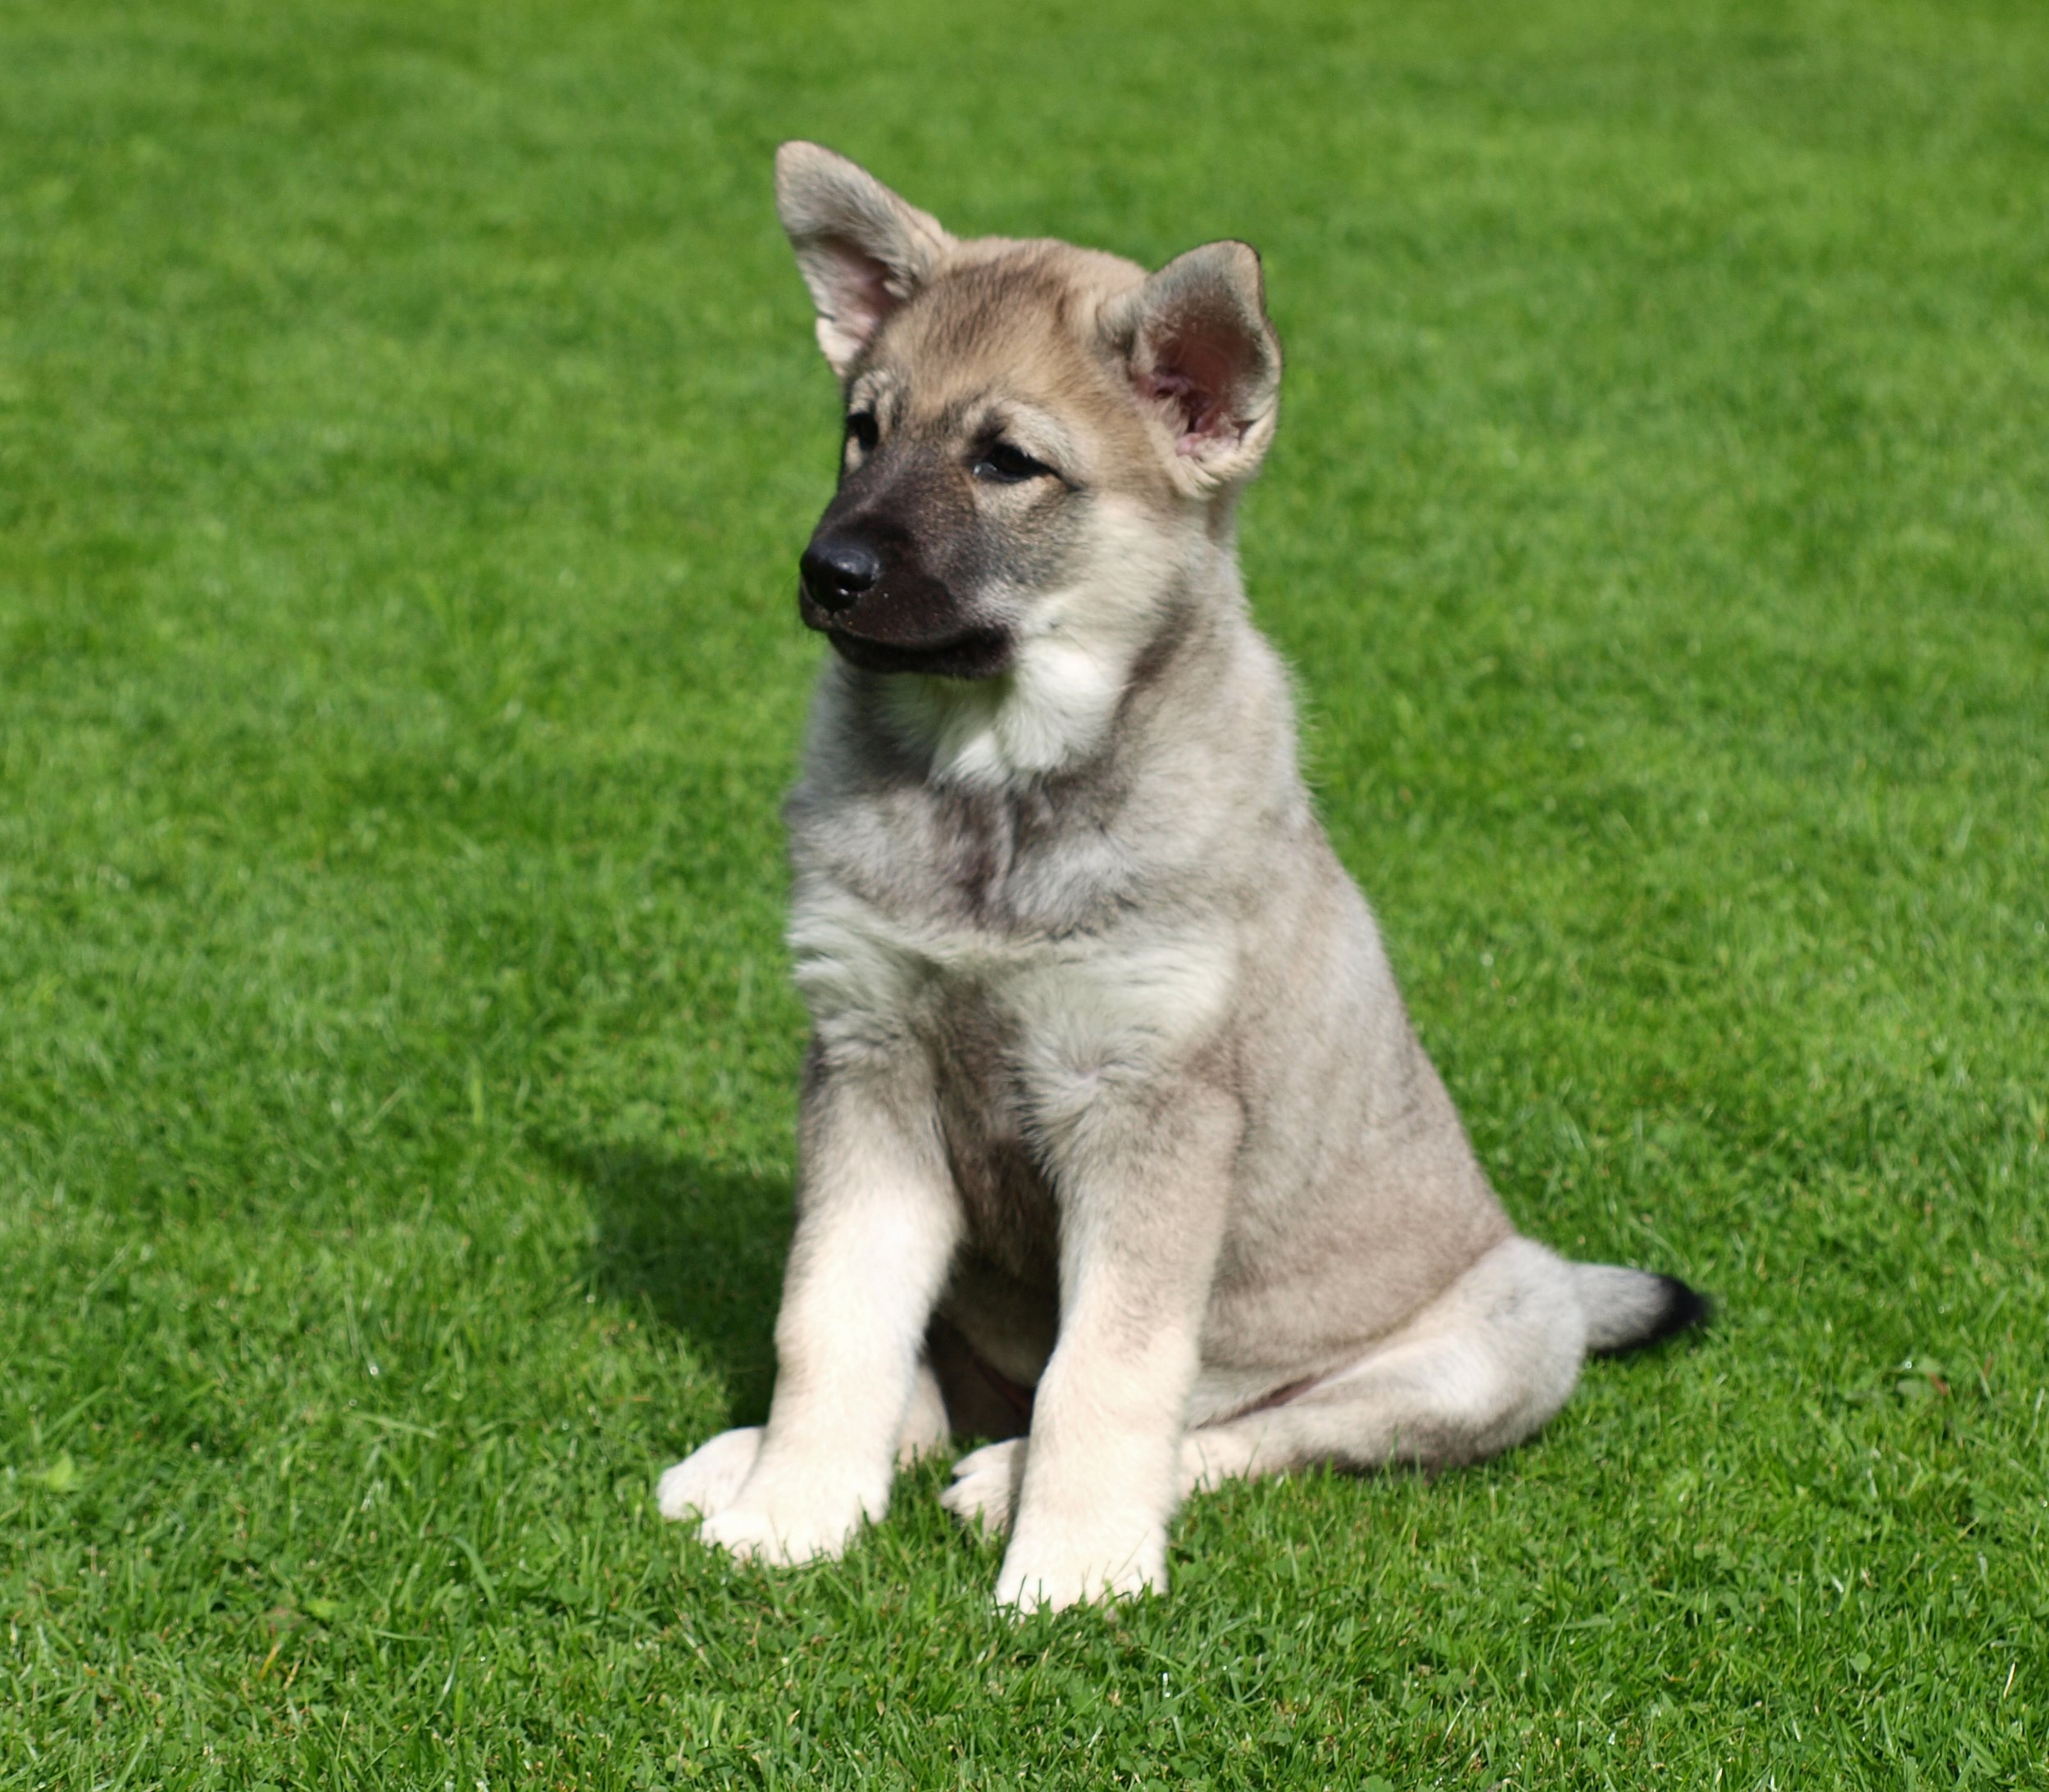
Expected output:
{"points": [[1086, 667]]}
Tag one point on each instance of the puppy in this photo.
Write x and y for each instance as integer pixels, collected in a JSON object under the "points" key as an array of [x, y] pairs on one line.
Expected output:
{"points": [[1116, 1143]]}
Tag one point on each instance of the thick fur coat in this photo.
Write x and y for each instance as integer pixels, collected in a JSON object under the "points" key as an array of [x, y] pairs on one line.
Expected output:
{"points": [[1117, 1146]]}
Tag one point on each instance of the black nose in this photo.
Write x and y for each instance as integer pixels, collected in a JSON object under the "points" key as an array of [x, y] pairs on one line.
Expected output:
{"points": [[837, 569]]}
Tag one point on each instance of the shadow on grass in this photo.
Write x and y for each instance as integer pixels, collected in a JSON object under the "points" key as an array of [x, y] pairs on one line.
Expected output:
{"points": [[700, 1248]]}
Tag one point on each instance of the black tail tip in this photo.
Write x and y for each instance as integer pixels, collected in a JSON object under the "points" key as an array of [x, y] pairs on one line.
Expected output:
{"points": [[1654, 1313], [1682, 1308]]}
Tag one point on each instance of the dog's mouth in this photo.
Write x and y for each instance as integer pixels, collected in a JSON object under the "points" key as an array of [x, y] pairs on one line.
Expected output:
{"points": [[975, 653], [922, 635]]}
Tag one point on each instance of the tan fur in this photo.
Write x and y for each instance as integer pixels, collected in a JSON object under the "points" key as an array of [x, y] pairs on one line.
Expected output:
{"points": [[1111, 1094]]}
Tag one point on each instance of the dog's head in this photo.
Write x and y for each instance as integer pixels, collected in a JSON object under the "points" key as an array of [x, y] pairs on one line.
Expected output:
{"points": [[1037, 435]]}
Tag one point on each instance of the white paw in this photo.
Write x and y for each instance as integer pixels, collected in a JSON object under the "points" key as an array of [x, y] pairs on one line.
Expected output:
{"points": [[1044, 1572], [705, 1482], [781, 1527], [985, 1484]]}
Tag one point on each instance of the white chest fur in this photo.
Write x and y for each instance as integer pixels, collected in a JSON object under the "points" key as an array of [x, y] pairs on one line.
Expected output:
{"points": [[1083, 1011]]}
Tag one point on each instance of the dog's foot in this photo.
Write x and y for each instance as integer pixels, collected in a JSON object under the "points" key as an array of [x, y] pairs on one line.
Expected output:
{"points": [[985, 1484], [1051, 1565], [798, 1505], [1209, 1458], [1049, 1568], [707, 1481], [778, 1517], [782, 1524]]}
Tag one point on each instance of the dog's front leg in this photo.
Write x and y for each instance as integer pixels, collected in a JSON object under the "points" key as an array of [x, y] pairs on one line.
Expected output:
{"points": [[877, 1222], [1144, 1180]]}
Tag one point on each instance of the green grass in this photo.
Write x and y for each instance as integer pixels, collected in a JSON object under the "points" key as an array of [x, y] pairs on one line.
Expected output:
{"points": [[408, 422]]}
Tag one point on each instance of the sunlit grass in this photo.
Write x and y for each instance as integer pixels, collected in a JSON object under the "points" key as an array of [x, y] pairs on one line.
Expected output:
{"points": [[408, 421]]}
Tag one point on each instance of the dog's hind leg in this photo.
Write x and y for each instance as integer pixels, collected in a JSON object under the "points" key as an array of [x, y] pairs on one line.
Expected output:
{"points": [[1481, 1367]]}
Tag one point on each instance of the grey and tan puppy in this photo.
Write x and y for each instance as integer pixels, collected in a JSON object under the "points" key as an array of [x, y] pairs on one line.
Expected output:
{"points": [[1116, 1142]]}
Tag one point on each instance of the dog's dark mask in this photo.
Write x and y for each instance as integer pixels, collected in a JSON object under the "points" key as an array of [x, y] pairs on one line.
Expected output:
{"points": [[888, 568], [1016, 410]]}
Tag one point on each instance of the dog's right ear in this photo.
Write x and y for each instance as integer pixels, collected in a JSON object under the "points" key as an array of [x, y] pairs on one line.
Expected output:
{"points": [[862, 250], [1203, 357]]}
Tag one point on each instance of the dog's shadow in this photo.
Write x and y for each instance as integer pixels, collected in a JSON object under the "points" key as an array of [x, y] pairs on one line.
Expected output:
{"points": [[698, 1247]]}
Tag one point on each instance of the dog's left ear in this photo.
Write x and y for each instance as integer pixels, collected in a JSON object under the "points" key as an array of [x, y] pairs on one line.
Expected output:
{"points": [[862, 250], [1202, 356]]}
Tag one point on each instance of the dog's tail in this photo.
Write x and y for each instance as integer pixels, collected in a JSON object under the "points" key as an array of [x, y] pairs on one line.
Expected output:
{"points": [[1628, 1308]]}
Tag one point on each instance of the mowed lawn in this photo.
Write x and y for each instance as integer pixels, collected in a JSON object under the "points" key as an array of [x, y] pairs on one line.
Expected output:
{"points": [[408, 424]]}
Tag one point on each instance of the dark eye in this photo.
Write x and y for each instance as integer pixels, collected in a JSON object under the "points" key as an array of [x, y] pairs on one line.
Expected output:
{"points": [[1007, 465], [862, 430]]}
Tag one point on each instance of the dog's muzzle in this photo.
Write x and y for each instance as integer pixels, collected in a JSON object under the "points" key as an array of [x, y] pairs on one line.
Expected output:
{"points": [[883, 612]]}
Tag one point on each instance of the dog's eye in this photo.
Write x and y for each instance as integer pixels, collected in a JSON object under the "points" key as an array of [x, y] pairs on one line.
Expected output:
{"points": [[1008, 466], [862, 430]]}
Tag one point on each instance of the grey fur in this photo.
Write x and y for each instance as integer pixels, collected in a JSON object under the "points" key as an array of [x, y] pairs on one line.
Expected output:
{"points": [[1111, 1094]]}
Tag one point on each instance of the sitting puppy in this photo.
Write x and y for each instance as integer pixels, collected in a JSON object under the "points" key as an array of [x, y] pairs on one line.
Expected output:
{"points": [[1116, 1143]]}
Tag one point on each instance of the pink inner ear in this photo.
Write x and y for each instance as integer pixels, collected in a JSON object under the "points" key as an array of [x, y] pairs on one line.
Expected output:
{"points": [[864, 294], [1197, 375]]}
